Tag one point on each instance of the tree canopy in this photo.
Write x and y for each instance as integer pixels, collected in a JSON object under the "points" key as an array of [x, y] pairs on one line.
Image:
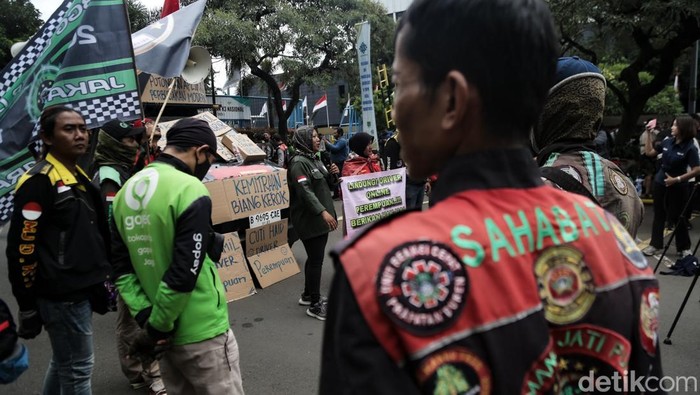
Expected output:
{"points": [[649, 36], [19, 21], [140, 16], [310, 41]]}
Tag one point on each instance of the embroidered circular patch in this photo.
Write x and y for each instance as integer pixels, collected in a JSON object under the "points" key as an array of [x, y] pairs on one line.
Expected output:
{"points": [[565, 284], [422, 287], [649, 320], [571, 369], [618, 183], [454, 371], [624, 218], [626, 244], [584, 349]]}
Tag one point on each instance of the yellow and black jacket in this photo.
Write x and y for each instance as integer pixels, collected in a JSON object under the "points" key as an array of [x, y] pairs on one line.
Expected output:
{"points": [[58, 241]]}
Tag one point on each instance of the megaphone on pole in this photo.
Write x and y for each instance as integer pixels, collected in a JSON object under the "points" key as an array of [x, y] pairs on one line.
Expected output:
{"points": [[195, 71], [17, 48], [197, 66]]}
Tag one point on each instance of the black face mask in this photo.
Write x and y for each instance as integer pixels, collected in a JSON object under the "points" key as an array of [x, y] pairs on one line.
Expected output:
{"points": [[201, 169]]}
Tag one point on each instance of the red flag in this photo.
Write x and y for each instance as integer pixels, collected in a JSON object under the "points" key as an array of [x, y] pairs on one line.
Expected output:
{"points": [[169, 6], [322, 102]]}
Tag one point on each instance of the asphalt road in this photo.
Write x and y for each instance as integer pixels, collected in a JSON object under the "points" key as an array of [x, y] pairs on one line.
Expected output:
{"points": [[280, 346]]}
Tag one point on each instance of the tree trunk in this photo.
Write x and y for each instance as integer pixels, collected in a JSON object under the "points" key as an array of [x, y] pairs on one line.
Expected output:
{"points": [[277, 98], [630, 115]]}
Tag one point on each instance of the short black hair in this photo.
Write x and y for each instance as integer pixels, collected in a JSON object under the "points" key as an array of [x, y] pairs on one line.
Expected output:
{"points": [[340, 131], [47, 121], [687, 127], [506, 48]]}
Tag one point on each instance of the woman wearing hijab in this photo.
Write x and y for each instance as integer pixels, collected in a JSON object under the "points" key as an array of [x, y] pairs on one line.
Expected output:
{"points": [[312, 213], [361, 160]]}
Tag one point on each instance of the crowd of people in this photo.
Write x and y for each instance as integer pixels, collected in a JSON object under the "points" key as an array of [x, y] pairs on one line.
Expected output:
{"points": [[74, 238], [526, 257]]}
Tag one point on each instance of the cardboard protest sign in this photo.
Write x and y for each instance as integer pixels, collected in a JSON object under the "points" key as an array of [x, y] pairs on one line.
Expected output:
{"points": [[261, 219], [241, 144], [273, 266], [217, 126], [183, 93], [233, 269], [265, 238], [370, 197], [237, 194]]}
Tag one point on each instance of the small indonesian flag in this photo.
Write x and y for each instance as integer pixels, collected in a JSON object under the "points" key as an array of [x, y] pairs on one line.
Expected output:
{"points": [[301, 179], [31, 211], [109, 197], [322, 102], [62, 187]]}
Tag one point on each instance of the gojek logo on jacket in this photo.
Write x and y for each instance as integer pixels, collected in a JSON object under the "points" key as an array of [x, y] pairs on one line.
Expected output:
{"points": [[138, 194]]}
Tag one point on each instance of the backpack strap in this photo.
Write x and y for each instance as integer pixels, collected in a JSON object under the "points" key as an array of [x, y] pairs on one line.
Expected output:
{"points": [[567, 182]]}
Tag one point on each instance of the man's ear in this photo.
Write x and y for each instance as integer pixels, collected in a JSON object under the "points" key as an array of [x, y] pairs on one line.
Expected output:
{"points": [[458, 96], [45, 139], [202, 150]]}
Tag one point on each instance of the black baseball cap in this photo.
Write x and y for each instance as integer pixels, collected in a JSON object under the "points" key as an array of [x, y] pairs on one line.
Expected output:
{"points": [[120, 129]]}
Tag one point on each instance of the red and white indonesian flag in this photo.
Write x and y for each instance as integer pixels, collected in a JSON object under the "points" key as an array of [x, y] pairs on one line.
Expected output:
{"points": [[322, 102], [31, 211]]}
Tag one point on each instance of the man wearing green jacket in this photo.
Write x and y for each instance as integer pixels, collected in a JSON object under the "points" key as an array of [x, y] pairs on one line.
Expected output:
{"points": [[164, 270]]}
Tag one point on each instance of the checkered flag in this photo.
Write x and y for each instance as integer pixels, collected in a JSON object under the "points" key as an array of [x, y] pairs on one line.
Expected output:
{"points": [[6, 207], [11, 170], [29, 54], [91, 71], [98, 111]]}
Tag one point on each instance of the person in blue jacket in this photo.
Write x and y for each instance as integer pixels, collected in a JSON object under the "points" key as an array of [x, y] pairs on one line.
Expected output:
{"points": [[339, 153]]}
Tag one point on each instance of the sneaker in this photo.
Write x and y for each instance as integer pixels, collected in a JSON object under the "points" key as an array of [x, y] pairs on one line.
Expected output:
{"points": [[138, 384], [161, 391], [684, 253], [157, 387], [650, 250], [318, 311], [305, 300]]}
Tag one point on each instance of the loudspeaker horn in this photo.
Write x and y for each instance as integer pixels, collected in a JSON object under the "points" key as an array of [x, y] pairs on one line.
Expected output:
{"points": [[17, 48], [197, 66]]}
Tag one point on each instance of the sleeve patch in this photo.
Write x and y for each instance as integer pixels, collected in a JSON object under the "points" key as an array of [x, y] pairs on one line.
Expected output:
{"points": [[31, 211]]}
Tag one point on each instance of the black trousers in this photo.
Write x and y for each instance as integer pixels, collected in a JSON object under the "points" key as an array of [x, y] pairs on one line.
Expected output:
{"points": [[315, 252], [336, 193], [668, 206]]}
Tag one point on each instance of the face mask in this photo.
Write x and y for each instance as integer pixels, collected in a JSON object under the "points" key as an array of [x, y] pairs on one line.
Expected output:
{"points": [[201, 169]]}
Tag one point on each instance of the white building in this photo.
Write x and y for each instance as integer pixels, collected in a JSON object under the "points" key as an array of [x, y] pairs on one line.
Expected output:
{"points": [[395, 8]]}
